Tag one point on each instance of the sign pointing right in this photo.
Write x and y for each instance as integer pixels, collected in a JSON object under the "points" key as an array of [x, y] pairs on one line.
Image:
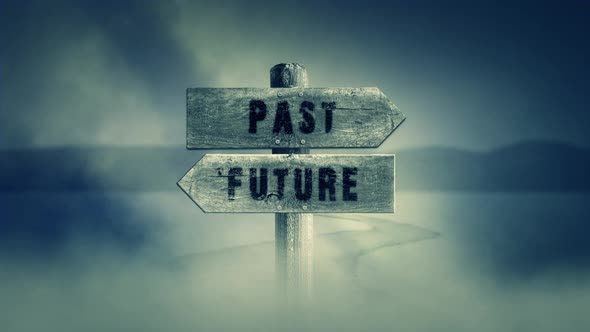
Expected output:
{"points": [[289, 118]]}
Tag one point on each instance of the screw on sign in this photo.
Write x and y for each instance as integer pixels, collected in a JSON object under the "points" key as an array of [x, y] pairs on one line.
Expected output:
{"points": [[291, 118]]}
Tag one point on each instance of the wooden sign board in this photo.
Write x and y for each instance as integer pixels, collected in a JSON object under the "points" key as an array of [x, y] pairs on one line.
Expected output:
{"points": [[292, 183], [251, 118]]}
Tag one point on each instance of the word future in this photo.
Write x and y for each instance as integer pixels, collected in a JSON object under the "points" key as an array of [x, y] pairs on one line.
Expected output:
{"points": [[289, 118], [292, 183], [326, 182]]}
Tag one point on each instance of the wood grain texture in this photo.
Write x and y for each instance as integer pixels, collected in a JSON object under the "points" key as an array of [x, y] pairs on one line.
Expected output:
{"points": [[207, 183], [293, 231], [288, 75], [220, 118], [294, 250]]}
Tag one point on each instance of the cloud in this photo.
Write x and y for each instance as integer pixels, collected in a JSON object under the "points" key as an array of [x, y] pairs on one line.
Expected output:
{"points": [[71, 85]]}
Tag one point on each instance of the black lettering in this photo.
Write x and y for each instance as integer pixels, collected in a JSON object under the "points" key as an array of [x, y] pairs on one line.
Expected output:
{"points": [[329, 184], [308, 124], [257, 113], [232, 182], [348, 183], [280, 174], [258, 194], [328, 107], [308, 184], [283, 118]]}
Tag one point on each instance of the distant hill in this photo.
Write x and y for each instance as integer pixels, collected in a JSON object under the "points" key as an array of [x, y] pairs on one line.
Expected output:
{"points": [[528, 166]]}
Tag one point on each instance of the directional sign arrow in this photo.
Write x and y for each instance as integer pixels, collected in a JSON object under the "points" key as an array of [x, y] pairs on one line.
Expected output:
{"points": [[289, 118], [292, 183]]}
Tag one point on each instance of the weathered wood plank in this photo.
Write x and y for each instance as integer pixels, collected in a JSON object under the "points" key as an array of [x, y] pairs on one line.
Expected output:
{"points": [[235, 183], [319, 117]]}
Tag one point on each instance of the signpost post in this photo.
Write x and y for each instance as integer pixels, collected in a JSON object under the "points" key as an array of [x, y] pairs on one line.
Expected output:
{"points": [[293, 231], [291, 118]]}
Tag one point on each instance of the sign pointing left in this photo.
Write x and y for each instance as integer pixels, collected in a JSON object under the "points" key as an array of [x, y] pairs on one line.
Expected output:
{"points": [[292, 183]]}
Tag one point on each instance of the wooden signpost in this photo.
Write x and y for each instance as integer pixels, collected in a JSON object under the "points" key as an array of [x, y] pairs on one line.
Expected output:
{"points": [[290, 118]]}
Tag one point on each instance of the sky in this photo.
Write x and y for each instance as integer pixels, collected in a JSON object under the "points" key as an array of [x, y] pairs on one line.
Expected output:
{"points": [[474, 75]]}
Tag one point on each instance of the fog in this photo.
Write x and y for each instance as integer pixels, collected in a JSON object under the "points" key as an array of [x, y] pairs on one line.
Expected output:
{"points": [[416, 271]]}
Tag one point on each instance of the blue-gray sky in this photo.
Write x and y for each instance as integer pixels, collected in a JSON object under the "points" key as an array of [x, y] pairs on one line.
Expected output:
{"points": [[467, 74]]}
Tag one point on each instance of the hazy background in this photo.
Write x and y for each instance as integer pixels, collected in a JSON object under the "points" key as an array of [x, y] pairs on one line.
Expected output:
{"points": [[492, 162]]}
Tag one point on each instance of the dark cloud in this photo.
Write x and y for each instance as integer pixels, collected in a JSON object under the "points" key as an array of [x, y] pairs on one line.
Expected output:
{"points": [[41, 226], [53, 198], [94, 169], [468, 74]]}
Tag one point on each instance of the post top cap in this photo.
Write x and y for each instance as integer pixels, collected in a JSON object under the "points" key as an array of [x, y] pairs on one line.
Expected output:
{"points": [[288, 75]]}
